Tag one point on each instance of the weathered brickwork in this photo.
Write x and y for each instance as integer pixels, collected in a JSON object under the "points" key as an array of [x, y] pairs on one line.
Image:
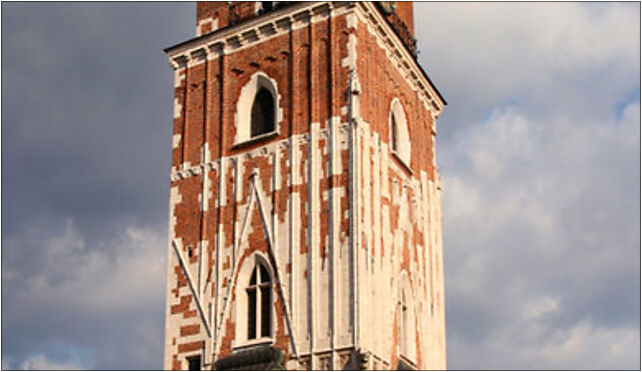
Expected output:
{"points": [[399, 208], [342, 223]]}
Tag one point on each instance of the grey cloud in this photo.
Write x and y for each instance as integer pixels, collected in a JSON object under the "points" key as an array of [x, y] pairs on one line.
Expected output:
{"points": [[541, 182], [88, 116], [544, 235], [86, 151], [489, 55], [105, 301]]}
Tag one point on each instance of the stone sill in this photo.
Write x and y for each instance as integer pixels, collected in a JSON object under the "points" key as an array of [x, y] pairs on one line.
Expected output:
{"points": [[256, 139], [402, 162]]}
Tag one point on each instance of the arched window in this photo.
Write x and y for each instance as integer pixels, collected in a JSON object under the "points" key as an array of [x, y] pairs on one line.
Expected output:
{"points": [[262, 113], [259, 303], [393, 132], [406, 310], [257, 110], [399, 133]]}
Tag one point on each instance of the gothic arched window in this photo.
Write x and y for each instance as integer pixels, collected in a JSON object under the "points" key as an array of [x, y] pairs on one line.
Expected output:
{"points": [[406, 318], [259, 303], [262, 113], [399, 133], [257, 110]]}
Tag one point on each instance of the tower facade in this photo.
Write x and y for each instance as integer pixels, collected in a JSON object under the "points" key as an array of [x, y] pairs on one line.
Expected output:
{"points": [[305, 223]]}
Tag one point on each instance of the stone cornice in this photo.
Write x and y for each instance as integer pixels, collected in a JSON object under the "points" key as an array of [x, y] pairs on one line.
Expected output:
{"points": [[250, 32], [236, 37]]}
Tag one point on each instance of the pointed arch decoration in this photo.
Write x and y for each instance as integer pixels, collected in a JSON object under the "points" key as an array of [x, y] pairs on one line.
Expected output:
{"points": [[254, 198], [407, 308], [197, 298]]}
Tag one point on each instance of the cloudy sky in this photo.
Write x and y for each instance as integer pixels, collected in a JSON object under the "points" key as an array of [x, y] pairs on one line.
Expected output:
{"points": [[539, 150]]}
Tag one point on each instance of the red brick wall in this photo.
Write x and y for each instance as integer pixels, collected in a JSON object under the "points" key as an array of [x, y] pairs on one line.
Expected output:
{"points": [[222, 11], [306, 64], [380, 84], [404, 11], [312, 84], [284, 56]]}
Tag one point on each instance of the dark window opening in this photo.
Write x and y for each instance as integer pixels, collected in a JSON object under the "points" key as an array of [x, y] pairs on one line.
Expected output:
{"points": [[194, 363], [394, 134], [265, 277], [259, 303], [262, 113], [251, 313], [265, 311], [267, 6]]}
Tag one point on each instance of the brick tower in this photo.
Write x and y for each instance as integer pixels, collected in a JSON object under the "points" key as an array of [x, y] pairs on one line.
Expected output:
{"points": [[304, 224]]}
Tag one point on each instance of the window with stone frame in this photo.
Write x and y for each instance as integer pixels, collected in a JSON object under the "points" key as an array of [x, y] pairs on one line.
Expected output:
{"points": [[406, 342], [399, 132], [259, 303], [257, 110]]}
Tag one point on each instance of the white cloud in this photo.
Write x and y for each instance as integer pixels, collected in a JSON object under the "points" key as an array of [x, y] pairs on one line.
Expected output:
{"points": [[537, 240], [539, 154], [541, 347], [110, 291], [108, 276], [551, 57], [40, 362], [601, 347]]}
